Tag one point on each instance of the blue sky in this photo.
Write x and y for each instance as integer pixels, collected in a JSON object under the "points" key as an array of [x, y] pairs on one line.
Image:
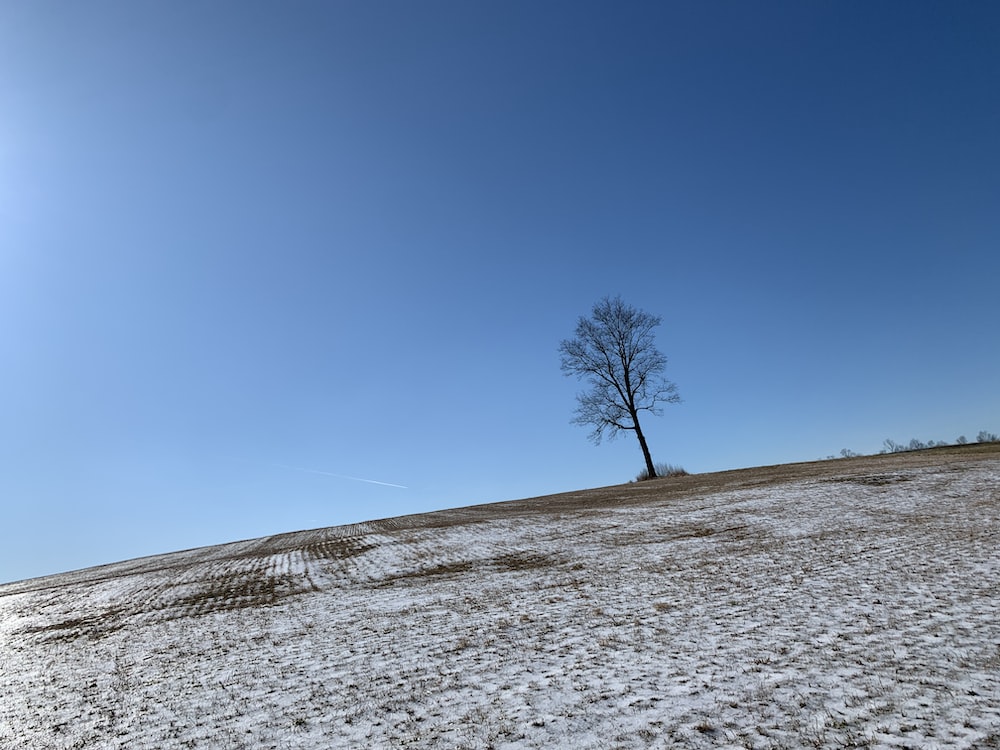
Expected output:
{"points": [[249, 250]]}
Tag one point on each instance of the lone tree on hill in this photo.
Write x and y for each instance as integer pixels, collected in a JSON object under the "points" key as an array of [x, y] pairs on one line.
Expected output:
{"points": [[613, 351]]}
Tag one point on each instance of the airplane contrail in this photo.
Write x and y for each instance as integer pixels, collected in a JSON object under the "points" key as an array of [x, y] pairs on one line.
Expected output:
{"points": [[341, 476]]}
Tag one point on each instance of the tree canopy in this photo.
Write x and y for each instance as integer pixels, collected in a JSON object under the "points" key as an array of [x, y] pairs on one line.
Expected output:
{"points": [[614, 352]]}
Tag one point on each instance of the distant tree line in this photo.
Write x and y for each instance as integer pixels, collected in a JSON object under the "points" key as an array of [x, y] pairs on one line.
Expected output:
{"points": [[891, 446]]}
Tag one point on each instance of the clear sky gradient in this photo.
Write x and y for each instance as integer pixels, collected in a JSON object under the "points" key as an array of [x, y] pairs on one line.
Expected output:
{"points": [[253, 254]]}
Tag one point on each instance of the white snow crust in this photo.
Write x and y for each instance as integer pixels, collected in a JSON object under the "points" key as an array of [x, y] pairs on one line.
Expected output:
{"points": [[854, 611]]}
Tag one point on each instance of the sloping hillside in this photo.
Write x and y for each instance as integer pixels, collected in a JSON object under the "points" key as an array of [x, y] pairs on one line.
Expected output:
{"points": [[841, 603]]}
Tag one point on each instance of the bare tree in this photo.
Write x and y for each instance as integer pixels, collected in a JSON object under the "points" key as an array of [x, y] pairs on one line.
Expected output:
{"points": [[613, 351]]}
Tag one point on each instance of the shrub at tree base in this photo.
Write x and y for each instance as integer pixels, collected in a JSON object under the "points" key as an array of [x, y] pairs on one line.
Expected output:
{"points": [[662, 470]]}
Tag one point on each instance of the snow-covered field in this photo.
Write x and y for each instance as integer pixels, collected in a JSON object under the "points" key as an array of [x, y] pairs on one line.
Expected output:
{"points": [[856, 608]]}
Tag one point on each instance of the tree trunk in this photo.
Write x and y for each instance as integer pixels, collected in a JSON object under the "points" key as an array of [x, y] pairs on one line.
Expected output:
{"points": [[645, 449]]}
